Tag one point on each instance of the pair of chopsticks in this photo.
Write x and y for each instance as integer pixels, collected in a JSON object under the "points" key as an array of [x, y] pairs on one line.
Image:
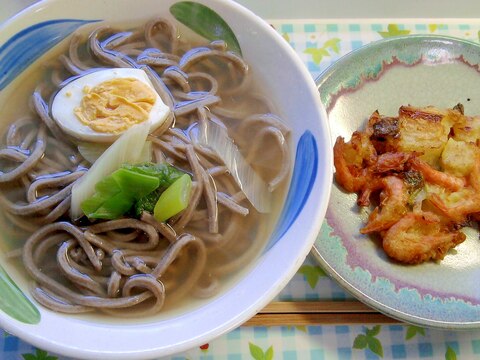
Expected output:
{"points": [[296, 313]]}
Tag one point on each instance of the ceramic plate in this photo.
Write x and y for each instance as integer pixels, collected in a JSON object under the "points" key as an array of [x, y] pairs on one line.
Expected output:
{"points": [[421, 71]]}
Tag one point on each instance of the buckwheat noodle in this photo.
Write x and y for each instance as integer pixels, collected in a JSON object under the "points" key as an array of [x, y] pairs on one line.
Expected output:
{"points": [[141, 264]]}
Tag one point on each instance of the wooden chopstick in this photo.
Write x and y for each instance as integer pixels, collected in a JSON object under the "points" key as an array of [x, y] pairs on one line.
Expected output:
{"points": [[297, 313], [316, 306]]}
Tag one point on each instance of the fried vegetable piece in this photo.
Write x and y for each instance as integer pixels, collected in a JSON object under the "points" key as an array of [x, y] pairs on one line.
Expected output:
{"points": [[459, 157], [467, 129], [424, 131]]}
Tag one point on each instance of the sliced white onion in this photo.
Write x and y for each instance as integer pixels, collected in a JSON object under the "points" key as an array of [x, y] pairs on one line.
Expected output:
{"points": [[92, 151], [255, 189]]}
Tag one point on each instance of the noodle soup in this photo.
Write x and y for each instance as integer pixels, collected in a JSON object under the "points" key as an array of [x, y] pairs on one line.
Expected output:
{"points": [[134, 263]]}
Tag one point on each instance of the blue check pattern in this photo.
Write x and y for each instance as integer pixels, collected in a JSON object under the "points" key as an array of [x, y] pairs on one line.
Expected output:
{"points": [[311, 342]]}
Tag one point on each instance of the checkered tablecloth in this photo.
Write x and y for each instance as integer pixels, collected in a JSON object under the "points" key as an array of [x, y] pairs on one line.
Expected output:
{"points": [[319, 44]]}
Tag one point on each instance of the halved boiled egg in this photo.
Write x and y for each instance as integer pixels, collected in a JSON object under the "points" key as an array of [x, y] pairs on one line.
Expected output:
{"points": [[101, 105]]}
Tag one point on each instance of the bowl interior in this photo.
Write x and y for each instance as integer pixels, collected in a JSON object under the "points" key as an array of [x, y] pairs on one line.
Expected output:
{"points": [[276, 66]]}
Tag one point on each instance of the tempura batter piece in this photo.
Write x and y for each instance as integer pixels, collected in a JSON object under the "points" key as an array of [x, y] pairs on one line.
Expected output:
{"points": [[424, 131]]}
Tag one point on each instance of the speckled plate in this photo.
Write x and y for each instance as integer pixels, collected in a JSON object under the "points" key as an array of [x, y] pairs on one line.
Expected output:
{"points": [[416, 70]]}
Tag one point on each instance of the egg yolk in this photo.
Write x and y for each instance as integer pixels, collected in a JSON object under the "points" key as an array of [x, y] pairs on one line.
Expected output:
{"points": [[115, 105]]}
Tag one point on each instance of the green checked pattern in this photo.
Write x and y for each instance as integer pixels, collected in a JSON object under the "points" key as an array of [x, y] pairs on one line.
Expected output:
{"points": [[319, 44]]}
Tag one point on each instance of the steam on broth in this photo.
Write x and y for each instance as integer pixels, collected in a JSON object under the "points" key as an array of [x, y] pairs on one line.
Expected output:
{"points": [[107, 263]]}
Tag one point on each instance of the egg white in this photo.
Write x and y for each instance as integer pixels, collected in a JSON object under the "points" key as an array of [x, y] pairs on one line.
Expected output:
{"points": [[71, 95]]}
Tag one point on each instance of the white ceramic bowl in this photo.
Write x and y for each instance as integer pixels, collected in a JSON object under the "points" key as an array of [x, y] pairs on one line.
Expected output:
{"points": [[295, 94]]}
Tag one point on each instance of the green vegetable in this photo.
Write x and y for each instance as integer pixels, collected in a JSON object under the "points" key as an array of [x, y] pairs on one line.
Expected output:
{"points": [[14, 303], [138, 186], [174, 199], [205, 22], [147, 203], [116, 194], [165, 173], [128, 148]]}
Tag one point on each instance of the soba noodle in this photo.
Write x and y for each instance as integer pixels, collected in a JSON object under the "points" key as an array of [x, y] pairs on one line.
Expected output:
{"points": [[142, 263]]}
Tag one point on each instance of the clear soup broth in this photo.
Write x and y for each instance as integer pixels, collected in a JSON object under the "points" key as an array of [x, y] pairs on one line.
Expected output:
{"points": [[135, 265]]}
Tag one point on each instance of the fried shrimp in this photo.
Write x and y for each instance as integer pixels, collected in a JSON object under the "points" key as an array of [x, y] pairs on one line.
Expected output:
{"points": [[474, 177], [459, 210], [422, 168], [350, 160], [418, 237], [392, 161], [448, 181], [393, 201]]}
